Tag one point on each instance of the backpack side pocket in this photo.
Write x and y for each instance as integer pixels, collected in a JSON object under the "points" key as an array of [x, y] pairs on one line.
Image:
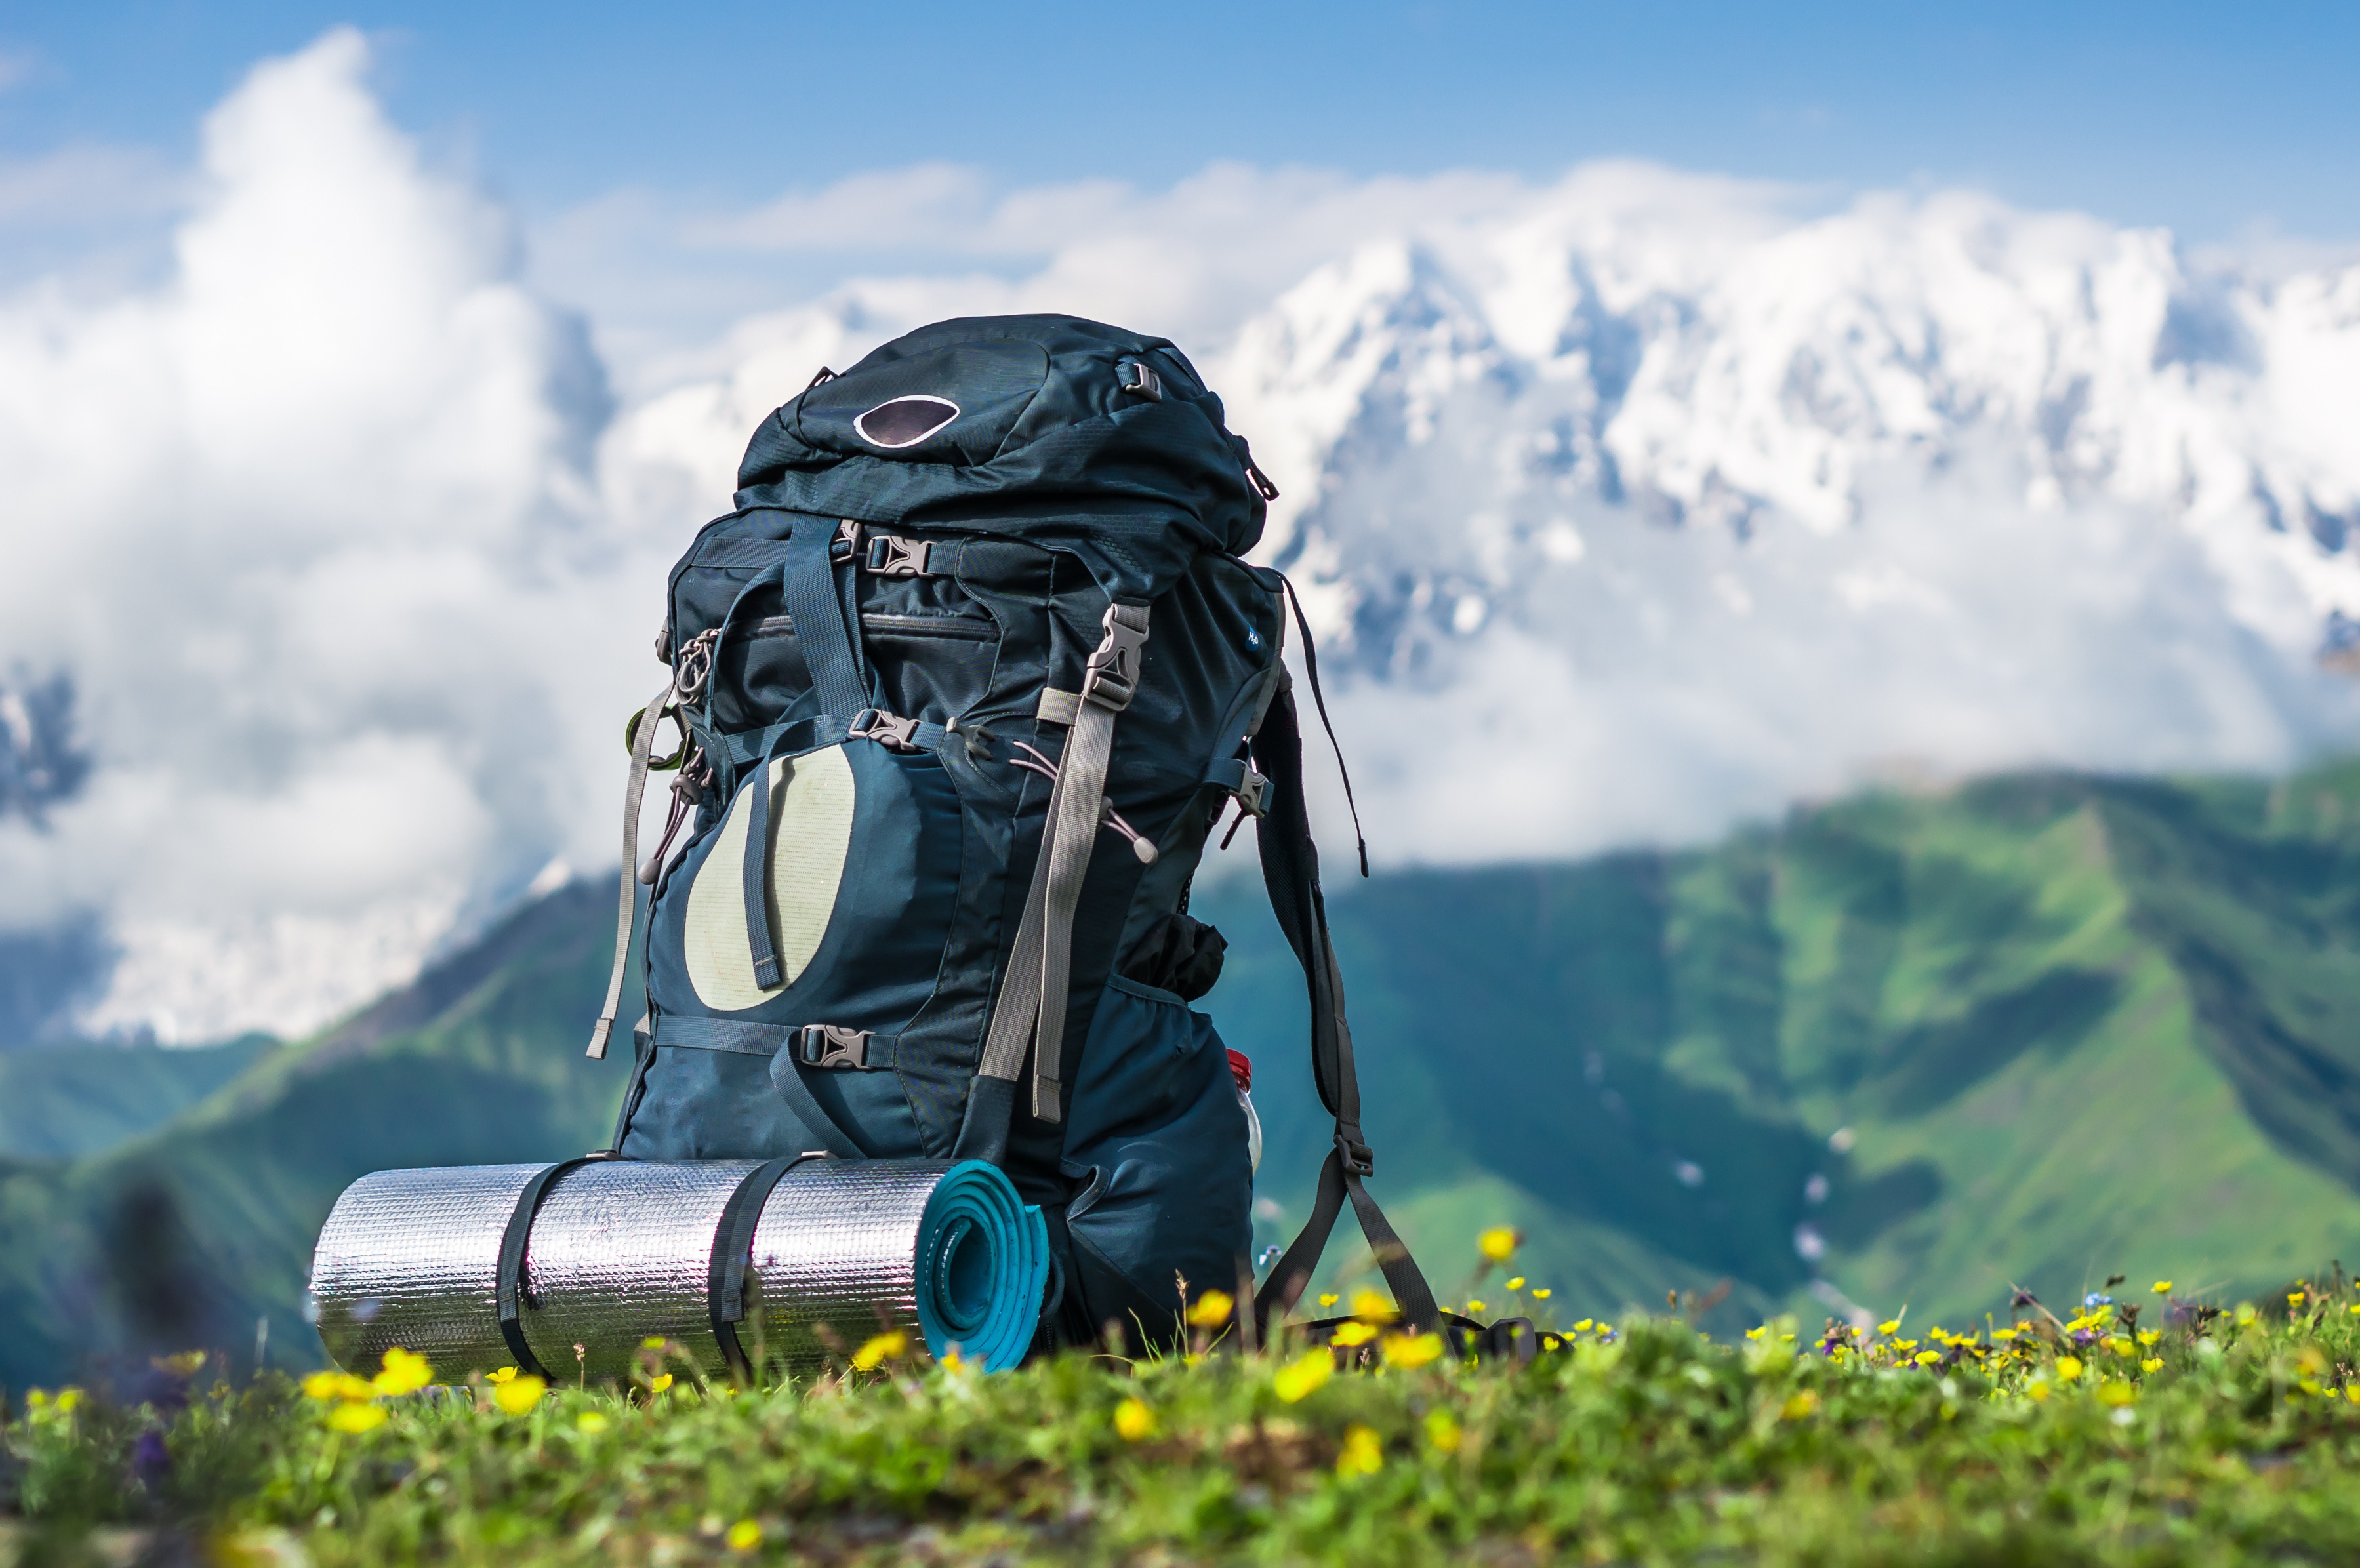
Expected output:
{"points": [[1157, 1140]]}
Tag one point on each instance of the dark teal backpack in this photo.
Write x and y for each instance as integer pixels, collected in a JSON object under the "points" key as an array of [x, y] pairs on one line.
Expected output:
{"points": [[958, 691]]}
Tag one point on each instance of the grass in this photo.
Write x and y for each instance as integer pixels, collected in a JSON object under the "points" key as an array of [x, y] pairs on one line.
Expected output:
{"points": [[2152, 1431]]}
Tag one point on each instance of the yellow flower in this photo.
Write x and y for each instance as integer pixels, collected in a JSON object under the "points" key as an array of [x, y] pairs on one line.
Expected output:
{"points": [[1474, 1306], [1353, 1334], [1212, 1309], [1371, 1307], [505, 1375], [653, 1342], [2149, 1336], [2246, 1312], [2163, 1287], [659, 1383], [1581, 1327], [1134, 1421], [519, 1394], [1929, 1358], [404, 1372], [1411, 1350], [1757, 1333], [1362, 1453], [745, 1535], [2120, 1346], [590, 1421], [2068, 1368], [1540, 1295], [1329, 1299], [1551, 1342], [357, 1417], [1442, 1432], [1499, 1243], [325, 1386], [2352, 1392], [1798, 1405], [2116, 1394], [2152, 1364], [1892, 1327], [2038, 1389], [69, 1400], [37, 1399], [1517, 1283], [880, 1349], [1304, 1375]]}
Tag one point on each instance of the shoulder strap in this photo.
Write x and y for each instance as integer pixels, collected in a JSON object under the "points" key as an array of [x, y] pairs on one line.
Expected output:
{"points": [[1290, 868]]}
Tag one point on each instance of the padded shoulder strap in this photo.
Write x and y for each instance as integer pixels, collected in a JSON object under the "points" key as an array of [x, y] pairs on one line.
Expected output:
{"points": [[1290, 868]]}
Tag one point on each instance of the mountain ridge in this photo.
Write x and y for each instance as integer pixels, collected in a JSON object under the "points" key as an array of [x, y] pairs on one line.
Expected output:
{"points": [[1904, 1048]]}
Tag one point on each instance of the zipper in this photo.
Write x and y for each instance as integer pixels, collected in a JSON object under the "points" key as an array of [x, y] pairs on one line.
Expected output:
{"points": [[961, 629]]}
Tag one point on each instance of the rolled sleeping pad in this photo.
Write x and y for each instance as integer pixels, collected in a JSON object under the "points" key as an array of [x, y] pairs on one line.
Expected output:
{"points": [[568, 1269]]}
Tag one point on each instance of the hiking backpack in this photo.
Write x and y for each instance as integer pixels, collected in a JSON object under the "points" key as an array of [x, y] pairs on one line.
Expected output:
{"points": [[957, 692]]}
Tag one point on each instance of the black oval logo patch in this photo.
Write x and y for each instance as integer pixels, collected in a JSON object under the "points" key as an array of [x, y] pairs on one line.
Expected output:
{"points": [[905, 422]]}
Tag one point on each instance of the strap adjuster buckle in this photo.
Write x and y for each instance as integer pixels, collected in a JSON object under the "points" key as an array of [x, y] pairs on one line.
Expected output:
{"points": [[832, 1046], [889, 556], [888, 730], [1358, 1157], [845, 545], [1112, 678], [1252, 792], [1134, 377]]}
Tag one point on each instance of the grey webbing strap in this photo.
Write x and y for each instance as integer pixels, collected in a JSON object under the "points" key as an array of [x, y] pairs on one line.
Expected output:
{"points": [[1031, 1008], [1111, 679], [1073, 835], [1019, 988], [1057, 707], [742, 1037], [513, 1242], [738, 1036], [634, 790]]}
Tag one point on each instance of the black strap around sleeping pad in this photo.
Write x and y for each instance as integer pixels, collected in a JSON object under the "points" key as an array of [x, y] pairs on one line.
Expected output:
{"points": [[1290, 868], [513, 1242], [733, 1247]]}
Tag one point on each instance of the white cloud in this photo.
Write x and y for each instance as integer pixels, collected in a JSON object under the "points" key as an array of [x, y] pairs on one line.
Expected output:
{"points": [[1629, 503]]}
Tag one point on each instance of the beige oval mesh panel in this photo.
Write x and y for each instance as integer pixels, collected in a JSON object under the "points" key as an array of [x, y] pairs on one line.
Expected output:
{"points": [[813, 797]]}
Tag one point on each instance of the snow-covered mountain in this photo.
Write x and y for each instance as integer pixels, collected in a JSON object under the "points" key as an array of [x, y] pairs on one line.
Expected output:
{"points": [[1459, 403], [1630, 505]]}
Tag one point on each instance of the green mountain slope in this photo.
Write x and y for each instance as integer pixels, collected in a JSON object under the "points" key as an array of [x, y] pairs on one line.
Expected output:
{"points": [[58, 1102], [1904, 1048]]}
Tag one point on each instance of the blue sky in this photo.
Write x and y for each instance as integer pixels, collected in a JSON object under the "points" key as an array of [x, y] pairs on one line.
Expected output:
{"points": [[2212, 119]]}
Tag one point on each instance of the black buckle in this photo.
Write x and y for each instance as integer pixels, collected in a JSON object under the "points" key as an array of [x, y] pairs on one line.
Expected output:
{"points": [[891, 557], [832, 1046], [1359, 1160], [845, 545], [1135, 377], [888, 730]]}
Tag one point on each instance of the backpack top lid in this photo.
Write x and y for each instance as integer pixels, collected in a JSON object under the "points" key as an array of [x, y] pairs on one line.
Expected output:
{"points": [[1037, 427]]}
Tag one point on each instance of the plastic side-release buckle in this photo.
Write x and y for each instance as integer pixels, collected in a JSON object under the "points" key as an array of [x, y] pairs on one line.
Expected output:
{"points": [[832, 1046], [888, 730], [1112, 678], [889, 556]]}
